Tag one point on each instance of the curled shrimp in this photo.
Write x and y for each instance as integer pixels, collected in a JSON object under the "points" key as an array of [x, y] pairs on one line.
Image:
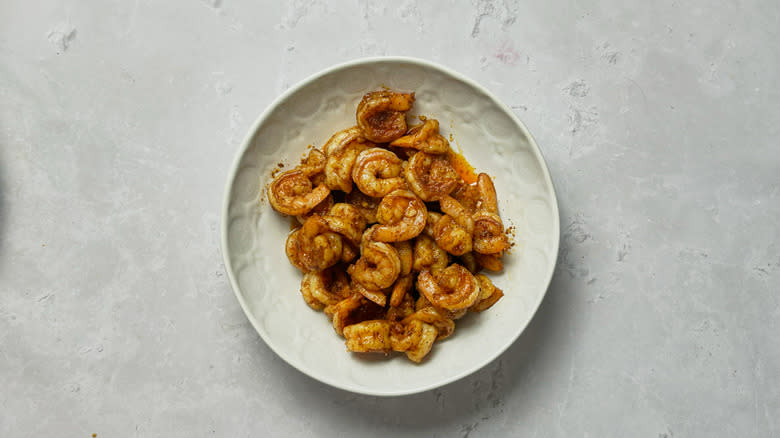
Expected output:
{"points": [[342, 149], [377, 172], [371, 336], [430, 176], [467, 195], [406, 255], [425, 138], [291, 193], [427, 254], [452, 288], [489, 294], [325, 287], [423, 303], [352, 310], [415, 338], [454, 230], [430, 315], [381, 115], [402, 216], [378, 266], [313, 246], [367, 205], [346, 220], [489, 236]]}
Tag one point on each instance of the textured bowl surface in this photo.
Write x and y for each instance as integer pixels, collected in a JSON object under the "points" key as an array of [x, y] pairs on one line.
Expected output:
{"points": [[253, 235]]}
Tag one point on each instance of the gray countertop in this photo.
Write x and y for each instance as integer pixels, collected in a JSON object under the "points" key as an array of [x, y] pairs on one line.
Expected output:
{"points": [[659, 122]]}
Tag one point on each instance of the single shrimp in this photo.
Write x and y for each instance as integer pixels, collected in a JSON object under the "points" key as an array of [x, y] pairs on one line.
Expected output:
{"points": [[346, 220], [377, 172], [367, 205], [467, 195], [452, 288], [342, 149], [313, 246], [402, 216], [425, 138], [381, 115], [406, 255], [352, 310], [423, 303], [454, 231], [489, 294], [378, 266], [430, 223], [414, 338], [349, 251], [291, 193], [489, 235], [371, 336], [327, 287], [430, 176], [427, 254]]}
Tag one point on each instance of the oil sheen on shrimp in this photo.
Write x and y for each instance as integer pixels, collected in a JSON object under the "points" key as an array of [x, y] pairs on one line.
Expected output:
{"points": [[346, 220], [377, 172], [430, 176], [425, 138], [381, 115], [402, 216], [453, 288]]}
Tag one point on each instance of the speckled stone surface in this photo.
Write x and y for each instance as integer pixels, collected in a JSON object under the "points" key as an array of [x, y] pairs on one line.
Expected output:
{"points": [[658, 120]]}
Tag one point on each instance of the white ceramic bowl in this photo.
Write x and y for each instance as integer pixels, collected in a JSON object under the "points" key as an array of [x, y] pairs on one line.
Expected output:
{"points": [[267, 286]]}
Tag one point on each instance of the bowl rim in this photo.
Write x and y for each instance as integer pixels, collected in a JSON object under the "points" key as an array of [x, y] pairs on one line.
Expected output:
{"points": [[246, 143]]}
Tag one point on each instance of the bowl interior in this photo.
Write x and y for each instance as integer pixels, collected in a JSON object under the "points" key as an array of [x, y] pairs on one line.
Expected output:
{"points": [[490, 138]]}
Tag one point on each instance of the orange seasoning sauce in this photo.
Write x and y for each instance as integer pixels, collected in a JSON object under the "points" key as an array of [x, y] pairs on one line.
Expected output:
{"points": [[464, 169]]}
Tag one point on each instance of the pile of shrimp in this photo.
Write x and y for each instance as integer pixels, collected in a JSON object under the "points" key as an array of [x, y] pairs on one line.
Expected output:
{"points": [[391, 238]]}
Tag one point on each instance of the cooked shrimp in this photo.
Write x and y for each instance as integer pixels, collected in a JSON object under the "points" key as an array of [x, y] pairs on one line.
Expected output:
{"points": [[352, 310], [417, 352], [400, 288], [469, 261], [423, 302], [291, 193], [406, 255], [368, 336], [366, 204], [348, 251], [378, 266], [489, 294], [489, 236], [428, 255], [327, 287], [402, 216], [467, 195], [320, 209], [376, 296], [430, 176], [491, 262], [314, 163], [346, 220], [342, 150], [425, 138], [381, 115], [453, 288], [430, 315], [313, 247], [377, 172], [454, 231]]}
